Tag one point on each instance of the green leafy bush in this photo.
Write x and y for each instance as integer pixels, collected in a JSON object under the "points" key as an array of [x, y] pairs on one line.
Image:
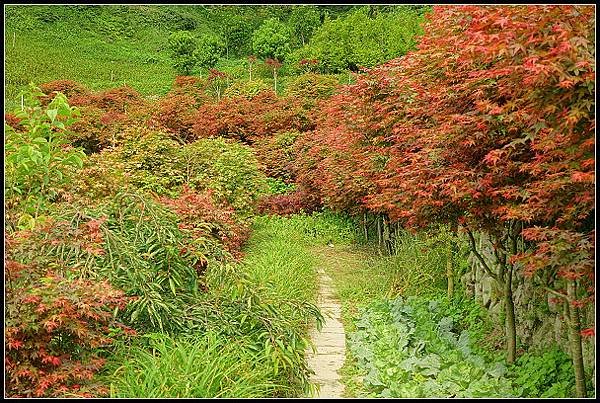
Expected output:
{"points": [[411, 349], [547, 375], [228, 168], [277, 186], [357, 40], [303, 20], [246, 88], [151, 160], [37, 157], [312, 86]]}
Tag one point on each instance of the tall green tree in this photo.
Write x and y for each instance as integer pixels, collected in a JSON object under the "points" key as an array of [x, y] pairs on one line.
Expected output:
{"points": [[234, 24], [182, 46], [362, 38], [303, 21], [271, 40], [208, 51]]}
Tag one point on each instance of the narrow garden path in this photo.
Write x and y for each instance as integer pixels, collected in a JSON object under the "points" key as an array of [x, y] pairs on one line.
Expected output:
{"points": [[346, 276], [330, 342]]}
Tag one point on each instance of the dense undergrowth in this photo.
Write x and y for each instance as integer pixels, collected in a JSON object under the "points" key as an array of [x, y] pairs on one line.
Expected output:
{"points": [[407, 338], [422, 347], [145, 238], [252, 340]]}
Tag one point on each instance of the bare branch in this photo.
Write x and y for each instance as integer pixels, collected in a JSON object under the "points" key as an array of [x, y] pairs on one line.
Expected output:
{"points": [[558, 294], [479, 257]]}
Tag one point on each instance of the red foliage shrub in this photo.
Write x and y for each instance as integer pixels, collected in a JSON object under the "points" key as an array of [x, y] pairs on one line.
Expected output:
{"points": [[202, 218], [175, 114], [489, 125], [249, 119], [276, 155], [117, 99], [287, 204], [13, 121], [97, 128], [71, 89], [105, 115], [192, 86], [187, 82], [54, 328], [569, 253]]}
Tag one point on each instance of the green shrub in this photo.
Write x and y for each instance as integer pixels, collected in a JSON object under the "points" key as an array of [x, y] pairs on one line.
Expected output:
{"points": [[151, 160], [547, 375], [37, 158], [228, 168], [357, 40], [312, 86], [277, 186], [246, 88]]}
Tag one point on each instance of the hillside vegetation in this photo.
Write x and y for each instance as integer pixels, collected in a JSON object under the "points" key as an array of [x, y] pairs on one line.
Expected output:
{"points": [[107, 46]]}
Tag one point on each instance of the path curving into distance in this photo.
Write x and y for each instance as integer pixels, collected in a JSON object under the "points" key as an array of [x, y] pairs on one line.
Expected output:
{"points": [[330, 342]]}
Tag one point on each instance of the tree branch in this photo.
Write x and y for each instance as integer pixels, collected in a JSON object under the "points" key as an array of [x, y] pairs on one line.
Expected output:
{"points": [[558, 294], [479, 257]]}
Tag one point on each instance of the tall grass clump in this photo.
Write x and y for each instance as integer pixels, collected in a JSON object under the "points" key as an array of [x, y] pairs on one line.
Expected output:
{"points": [[318, 228], [185, 367], [421, 261]]}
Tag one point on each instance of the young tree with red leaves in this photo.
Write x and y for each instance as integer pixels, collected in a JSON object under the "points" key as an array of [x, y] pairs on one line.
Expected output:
{"points": [[274, 65]]}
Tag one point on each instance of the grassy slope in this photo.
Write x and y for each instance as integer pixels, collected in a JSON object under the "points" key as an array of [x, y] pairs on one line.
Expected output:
{"points": [[101, 47], [110, 45]]}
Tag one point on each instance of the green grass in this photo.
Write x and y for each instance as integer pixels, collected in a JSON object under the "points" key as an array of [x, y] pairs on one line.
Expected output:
{"points": [[278, 258], [58, 53], [98, 46], [204, 366]]}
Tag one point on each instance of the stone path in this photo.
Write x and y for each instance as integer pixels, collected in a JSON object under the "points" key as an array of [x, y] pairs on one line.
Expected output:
{"points": [[330, 342]]}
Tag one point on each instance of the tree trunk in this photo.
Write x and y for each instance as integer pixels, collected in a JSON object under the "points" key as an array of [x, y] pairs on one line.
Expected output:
{"points": [[386, 236], [450, 273], [366, 231], [509, 310], [379, 235], [575, 340]]}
